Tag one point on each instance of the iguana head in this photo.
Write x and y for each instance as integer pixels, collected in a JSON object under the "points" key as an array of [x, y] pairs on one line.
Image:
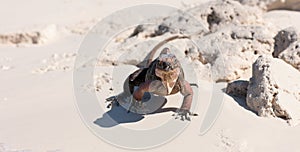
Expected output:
{"points": [[167, 61], [167, 68]]}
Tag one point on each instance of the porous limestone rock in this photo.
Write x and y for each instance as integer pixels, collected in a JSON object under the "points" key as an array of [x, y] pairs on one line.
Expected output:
{"points": [[227, 39], [274, 4], [232, 50], [269, 94], [291, 55], [284, 39], [287, 46], [217, 14]]}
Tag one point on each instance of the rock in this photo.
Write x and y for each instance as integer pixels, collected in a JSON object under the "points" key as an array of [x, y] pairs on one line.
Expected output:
{"points": [[17, 38], [237, 88], [287, 46], [181, 23], [231, 50], [260, 3], [236, 37], [269, 94], [137, 30], [226, 37], [283, 39], [216, 14], [228, 52], [283, 4], [33, 37], [291, 55], [273, 4], [206, 18]]}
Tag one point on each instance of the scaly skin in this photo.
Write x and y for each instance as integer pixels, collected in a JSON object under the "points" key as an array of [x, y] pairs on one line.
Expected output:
{"points": [[164, 76]]}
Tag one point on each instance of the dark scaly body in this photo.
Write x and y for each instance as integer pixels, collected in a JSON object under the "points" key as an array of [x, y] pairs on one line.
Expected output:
{"points": [[148, 81]]}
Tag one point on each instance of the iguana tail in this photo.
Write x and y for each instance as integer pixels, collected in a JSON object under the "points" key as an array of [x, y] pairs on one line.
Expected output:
{"points": [[154, 50], [194, 84]]}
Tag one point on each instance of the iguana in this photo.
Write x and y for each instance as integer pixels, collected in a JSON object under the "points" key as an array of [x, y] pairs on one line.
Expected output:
{"points": [[164, 76]]}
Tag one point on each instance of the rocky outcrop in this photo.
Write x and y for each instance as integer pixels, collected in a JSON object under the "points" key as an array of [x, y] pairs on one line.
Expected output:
{"points": [[274, 4], [283, 4], [231, 50], [269, 94], [292, 55], [218, 14], [211, 17], [284, 39], [287, 46], [226, 37]]}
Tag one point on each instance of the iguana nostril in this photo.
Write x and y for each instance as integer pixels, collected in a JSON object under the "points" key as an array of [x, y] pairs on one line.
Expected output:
{"points": [[167, 66]]}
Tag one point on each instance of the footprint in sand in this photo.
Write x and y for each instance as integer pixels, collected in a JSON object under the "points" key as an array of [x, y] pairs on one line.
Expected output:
{"points": [[57, 62], [228, 144], [99, 80], [4, 64]]}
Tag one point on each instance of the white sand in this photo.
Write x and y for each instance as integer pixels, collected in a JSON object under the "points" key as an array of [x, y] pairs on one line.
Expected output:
{"points": [[38, 111]]}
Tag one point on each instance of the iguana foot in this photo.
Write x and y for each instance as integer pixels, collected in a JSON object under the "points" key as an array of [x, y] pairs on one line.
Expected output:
{"points": [[184, 114], [134, 105], [113, 100]]}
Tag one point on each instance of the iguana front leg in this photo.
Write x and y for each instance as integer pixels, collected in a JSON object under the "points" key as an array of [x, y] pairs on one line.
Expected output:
{"points": [[138, 94], [187, 92], [155, 86], [184, 111], [112, 100]]}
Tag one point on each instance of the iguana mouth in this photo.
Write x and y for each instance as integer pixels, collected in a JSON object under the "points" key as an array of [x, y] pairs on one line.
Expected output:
{"points": [[168, 78]]}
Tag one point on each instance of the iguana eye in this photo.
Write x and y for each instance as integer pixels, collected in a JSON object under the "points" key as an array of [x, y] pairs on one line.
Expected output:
{"points": [[160, 65]]}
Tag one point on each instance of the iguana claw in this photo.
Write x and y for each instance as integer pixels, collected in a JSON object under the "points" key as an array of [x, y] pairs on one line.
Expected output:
{"points": [[183, 114], [112, 100], [134, 103]]}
